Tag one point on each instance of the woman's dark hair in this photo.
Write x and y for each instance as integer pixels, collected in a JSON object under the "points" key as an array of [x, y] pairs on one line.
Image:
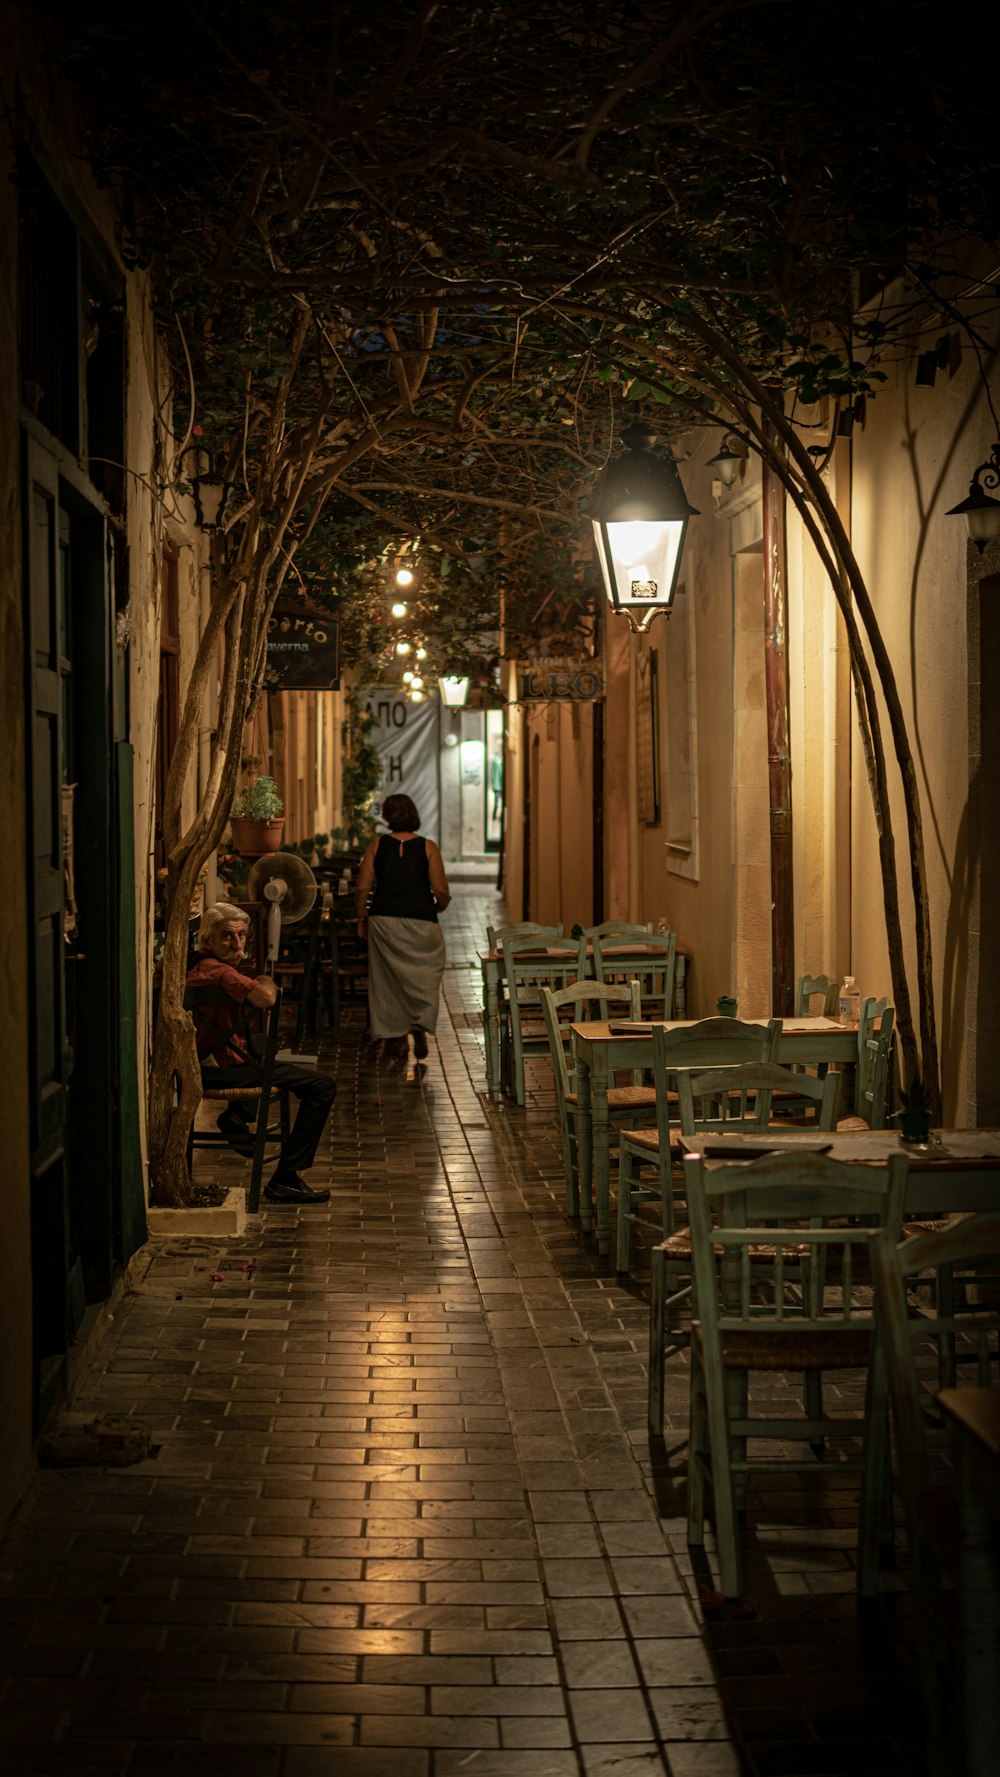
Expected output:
{"points": [[400, 814]]}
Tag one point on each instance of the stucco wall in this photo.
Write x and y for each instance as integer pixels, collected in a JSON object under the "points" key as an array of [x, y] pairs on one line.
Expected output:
{"points": [[911, 463]]}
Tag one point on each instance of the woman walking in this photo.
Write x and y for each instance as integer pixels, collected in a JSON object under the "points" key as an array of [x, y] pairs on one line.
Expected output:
{"points": [[405, 944]]}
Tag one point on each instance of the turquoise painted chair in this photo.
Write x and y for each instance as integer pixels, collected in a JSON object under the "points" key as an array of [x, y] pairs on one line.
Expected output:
{"points": [[653, 966], [575, 1004], [714, 1042], [525, 973], [777, 1245], [962, 1344]]}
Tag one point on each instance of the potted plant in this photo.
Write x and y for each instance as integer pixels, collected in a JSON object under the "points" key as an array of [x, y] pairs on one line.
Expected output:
{"points": [[915, 1114], [258, 819]]}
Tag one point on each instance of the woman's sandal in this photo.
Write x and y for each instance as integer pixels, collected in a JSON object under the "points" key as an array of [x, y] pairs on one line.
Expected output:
{"points": [[419, 1042]]}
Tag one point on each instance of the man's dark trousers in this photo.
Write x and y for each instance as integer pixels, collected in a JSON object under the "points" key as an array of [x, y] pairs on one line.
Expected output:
{"points": [[314, 1091]]}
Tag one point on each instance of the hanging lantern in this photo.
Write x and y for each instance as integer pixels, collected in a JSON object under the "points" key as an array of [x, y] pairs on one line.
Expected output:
{"points": [[980, 511], [640, 516], [729, 460], [454, 692], [210, 492]]}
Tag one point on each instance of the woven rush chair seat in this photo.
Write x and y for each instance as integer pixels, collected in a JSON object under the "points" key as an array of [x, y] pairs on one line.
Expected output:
{"points": [[247, 1092], [678, 1246], [620, 1098], [791, 1351]]}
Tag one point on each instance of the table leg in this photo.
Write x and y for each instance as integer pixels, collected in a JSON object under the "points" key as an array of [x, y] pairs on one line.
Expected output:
{"points": [[680, 987], [491, 1029], [584, 1150], [600, 1149]]}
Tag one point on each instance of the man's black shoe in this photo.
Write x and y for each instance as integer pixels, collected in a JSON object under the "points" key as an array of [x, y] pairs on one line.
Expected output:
{"points": [[289, 1188]]}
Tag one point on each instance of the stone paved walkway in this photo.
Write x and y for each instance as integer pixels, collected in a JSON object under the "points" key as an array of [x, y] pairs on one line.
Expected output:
{"points": [[401, 1517]]}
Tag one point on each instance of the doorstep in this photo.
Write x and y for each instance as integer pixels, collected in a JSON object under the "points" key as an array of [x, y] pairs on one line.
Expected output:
{"points": [[228, 1217]]}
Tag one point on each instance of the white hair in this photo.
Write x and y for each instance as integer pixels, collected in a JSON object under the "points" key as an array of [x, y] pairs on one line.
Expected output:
{"points": [[222, 913]]}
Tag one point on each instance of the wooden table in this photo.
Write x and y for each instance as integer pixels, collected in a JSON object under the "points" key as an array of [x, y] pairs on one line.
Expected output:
{"points": [[957, 1172], [599, 1056], [491, 966], [975, 1419]]}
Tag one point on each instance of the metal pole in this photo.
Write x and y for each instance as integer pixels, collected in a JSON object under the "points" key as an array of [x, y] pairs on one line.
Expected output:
{"points": [[779, 764]]}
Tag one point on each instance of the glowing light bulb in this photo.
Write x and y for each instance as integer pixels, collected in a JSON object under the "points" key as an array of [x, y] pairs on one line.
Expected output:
{"points": [[416, 697], [407, 678], [418, 683], [402, 647], [399, 609], [404, 577], [421, 653]]}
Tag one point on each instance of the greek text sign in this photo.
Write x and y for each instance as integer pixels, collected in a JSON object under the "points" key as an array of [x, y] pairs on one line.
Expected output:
{"points": [[303, 650], [550, 680], [406, 735]]}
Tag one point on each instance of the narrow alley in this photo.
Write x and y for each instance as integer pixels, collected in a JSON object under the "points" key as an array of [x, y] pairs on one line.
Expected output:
{"points": [[401, 1515]]}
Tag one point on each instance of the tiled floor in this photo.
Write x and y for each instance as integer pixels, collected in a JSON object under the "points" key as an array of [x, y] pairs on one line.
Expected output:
{"points": [[401, 1517]]}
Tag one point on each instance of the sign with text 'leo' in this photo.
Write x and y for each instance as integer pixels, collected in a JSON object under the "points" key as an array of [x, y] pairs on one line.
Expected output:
{"points": [[551, 680], [303, 649]]}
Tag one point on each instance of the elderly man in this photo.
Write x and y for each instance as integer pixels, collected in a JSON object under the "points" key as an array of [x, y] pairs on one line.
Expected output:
{"points": [[235, 1062]]}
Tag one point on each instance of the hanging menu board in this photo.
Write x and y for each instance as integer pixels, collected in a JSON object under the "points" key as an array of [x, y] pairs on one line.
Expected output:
{"points": [[303, 649]]}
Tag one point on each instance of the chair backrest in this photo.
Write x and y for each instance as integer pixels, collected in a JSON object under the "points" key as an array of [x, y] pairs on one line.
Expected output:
{"points": [[619, 927], [712, 1042], [875, 1024], [732, 1099], [652, 964], [196, 998], [525, 971], [581, 998], [806, 990], [799, 1276], [495, 935], [951, 1262]]}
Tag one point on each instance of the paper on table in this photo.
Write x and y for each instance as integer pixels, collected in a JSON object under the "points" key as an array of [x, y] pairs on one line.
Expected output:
{"points": [[726, 1147]]}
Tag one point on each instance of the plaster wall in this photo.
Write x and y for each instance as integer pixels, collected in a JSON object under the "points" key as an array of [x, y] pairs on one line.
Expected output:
{"points": [[911, 463]]}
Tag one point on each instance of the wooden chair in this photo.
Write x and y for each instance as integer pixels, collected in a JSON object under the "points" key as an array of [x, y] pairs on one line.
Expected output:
{"points": [[874, 1058], [495, 935], [777, 1245], [616, 928], [256, 1097], [963, 1343], [525, 973], [653, 968], [807, 988], [584, 1000], [715, 1042]]}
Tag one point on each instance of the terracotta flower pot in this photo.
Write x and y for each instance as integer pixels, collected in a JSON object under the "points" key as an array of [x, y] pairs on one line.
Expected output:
{"points": [[253, 838]]}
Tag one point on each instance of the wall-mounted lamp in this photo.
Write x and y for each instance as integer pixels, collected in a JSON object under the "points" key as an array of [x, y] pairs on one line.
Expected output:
{"points": [[454, 692], [981, 513], [210, 492], [730, 460], [640, 516]]}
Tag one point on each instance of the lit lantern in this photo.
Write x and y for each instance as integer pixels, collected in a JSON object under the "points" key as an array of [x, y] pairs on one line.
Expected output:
{"points": [[640, 516], [729, 460], [454, 692]]}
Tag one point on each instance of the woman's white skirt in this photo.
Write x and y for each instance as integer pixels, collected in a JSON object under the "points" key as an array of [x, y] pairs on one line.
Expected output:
{"points": [[405, 964]]}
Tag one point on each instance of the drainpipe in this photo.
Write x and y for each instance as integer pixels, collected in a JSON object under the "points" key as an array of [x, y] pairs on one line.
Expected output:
{"points": [[779, 764], [209, 719]]}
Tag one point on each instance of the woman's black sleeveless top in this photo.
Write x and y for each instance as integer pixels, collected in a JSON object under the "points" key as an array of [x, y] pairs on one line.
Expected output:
{"points": [[403, 883]]}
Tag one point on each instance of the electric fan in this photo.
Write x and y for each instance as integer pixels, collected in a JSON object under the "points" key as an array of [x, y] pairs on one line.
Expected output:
{"points": [[288, 886]]}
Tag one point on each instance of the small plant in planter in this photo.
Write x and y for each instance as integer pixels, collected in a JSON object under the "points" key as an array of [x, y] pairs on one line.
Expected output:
{"points": [[915, 1114], [258, 819]]}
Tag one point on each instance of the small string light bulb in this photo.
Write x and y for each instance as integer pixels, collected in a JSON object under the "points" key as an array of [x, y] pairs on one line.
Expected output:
{"points": [[402, 648], [399, 609], [421, 653], [404, 577], [416, 696], [407, 678], [418, 683]]}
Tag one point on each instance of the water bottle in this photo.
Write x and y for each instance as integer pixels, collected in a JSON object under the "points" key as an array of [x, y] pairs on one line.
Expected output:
{"points": [[850, 1001]]}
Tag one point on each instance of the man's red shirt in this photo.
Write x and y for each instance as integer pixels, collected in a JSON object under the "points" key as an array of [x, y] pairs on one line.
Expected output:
{"points": [[209, 972]]}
